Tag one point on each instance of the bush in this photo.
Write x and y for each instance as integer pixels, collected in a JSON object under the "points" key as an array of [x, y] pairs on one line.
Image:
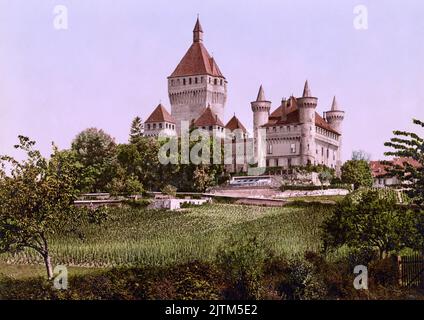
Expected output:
{"points": [[137, 204], [169, 190], [243, 266], [384, 272], [302, 282]]}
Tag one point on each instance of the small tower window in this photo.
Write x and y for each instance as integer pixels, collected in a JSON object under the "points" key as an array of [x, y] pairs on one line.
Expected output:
{"points": [[184, 82], [189, 81], [172, 82], [221, 82], [202, 79], [215, 81], [154, 126], [269, 148], [160, 125], [148, 126]]}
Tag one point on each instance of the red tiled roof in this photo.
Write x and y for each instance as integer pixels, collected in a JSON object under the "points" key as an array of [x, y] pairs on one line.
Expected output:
{"points": [[160, 114], [293, 118], [234, 124], [208, 118], [197, 61], [382, 168]]}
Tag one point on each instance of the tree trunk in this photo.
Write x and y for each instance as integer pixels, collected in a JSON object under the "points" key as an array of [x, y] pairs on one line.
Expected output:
{"points": [[48, 264]]}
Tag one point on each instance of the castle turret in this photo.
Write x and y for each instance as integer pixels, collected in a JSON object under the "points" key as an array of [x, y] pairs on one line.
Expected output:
{"points": [[335, 119], [335, 116], [307, 105], [260, 108], [196, 83]]}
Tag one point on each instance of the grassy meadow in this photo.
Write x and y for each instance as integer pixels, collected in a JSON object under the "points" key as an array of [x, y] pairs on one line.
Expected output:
{"points": [[141, 237]]}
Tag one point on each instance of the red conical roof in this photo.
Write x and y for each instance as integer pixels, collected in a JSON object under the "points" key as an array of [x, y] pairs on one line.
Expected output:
{"points": [[197, 61], [160, 114], [234, 124], [208, 118]]}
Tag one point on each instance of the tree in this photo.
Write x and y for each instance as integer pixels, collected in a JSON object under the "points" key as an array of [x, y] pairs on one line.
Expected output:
{"points": [[96, 152], [361, 155], [409, 145], [136, 130], [36, 201], [367, 219], [358, 173]]}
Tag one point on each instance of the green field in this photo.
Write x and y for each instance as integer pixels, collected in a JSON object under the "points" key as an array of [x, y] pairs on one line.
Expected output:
{"points": [[157, 238]]}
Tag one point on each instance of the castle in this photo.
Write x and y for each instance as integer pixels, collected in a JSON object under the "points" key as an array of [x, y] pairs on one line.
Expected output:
{"points": [[296, 135]]}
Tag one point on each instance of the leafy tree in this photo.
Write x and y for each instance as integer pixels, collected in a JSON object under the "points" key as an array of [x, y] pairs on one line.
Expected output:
{"points": [[361, 155], [96, 152], [358, 173], [36, 201], [140, 159], [124, 184], [367, 219], [136, 130], [410, 145]]}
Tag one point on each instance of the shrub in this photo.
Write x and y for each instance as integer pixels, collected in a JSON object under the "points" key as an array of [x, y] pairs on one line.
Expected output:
{"points": [[302, 282], [169, 190], [137, 204], [384, 272], [243, 265]]}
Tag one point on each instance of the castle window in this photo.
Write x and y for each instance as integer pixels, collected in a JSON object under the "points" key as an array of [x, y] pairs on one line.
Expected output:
{"points": [[160, 125], [210, 128], [189, 81], [154, 126], [184, 82], [308, 146], [195, 80], [322, 151], [269, 149], [172, 82], [288, 128], [221, 82], [148, 126], [274, 128], [293, 148], [328, 153], [202, 79], [215, 81]]}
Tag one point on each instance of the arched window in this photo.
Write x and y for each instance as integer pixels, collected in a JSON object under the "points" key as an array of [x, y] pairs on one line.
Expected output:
{"points": [[184, 82], [215, 81]]}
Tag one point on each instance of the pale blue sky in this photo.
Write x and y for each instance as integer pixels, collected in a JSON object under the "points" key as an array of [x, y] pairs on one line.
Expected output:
{"points": [[112, 62]]}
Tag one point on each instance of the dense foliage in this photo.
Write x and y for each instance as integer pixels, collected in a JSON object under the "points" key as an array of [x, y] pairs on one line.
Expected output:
{"points": [[409, 145], [357, 172], [366, 219]]}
